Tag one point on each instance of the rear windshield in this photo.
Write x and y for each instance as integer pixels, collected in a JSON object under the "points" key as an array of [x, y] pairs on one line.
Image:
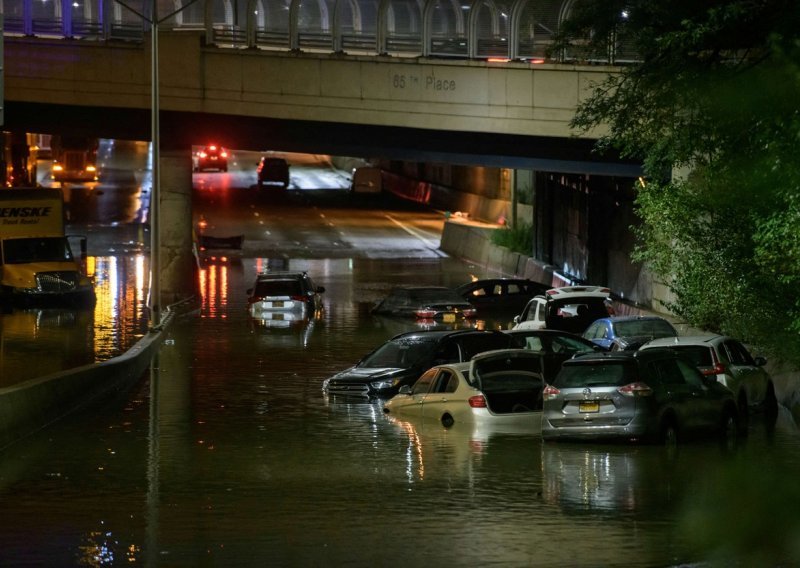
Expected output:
{"points": [[653, 328], [594, 374], [277, 288], [697, 354], [507, 374], [399, 353]]}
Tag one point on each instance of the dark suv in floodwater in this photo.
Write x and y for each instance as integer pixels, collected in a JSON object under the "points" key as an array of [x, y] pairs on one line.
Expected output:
{"points": [[401, 360]]}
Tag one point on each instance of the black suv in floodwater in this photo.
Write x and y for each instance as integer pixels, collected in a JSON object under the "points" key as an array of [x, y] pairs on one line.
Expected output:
{"points": [[401, 360]]}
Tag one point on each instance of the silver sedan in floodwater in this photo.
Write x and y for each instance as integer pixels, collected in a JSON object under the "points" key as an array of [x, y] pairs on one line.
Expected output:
{"points": [[649, 395]]}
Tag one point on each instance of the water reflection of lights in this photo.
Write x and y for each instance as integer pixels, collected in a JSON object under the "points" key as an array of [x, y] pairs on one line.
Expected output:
{"points": [[119, 311], [214, 288], [99, 550]]}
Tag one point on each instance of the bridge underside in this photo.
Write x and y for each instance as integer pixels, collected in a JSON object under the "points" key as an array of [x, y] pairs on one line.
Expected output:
{"points": [[179, 130]]}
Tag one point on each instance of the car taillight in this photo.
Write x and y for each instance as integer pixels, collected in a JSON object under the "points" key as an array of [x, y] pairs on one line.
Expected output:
{"points": [[425, 313], [550, 392], [718, 369], [477, 401], [202, 154], [469, 312], [224, 154], [635, 389], [298, 298]]}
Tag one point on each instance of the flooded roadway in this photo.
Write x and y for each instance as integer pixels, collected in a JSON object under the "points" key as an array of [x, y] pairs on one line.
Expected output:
{"points": [[229, 454]]}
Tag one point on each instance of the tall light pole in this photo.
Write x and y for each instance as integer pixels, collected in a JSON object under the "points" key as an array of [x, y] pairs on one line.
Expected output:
{"points": [[155, 136]]}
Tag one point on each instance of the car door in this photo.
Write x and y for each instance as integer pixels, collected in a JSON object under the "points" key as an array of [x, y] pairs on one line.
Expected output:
{"points": [[412, 404], [439, 401], [685, 393], [532, 316], [745, 372]]}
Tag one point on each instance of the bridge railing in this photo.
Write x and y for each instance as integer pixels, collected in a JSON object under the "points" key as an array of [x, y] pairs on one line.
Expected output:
{"points": [[480, 29]]}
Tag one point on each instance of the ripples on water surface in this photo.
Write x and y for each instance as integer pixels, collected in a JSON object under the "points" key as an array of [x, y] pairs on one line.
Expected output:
{"points": [[230, 455]]}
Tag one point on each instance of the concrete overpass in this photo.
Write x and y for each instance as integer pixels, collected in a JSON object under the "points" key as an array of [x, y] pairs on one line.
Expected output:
{"points": [[510, 114]]}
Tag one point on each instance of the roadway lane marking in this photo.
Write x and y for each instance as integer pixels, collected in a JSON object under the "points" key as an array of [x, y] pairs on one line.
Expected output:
{"points": [[413, 232]]}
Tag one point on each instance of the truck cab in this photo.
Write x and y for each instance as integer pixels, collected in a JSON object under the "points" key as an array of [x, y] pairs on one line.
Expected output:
{"points": [[37, 265]]}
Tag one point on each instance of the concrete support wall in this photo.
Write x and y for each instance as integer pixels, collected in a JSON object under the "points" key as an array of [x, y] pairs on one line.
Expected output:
{"points": [[178, 265]]}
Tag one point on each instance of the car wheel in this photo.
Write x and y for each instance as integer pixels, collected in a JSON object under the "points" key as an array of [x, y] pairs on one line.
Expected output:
{"points": [[447, 421]]}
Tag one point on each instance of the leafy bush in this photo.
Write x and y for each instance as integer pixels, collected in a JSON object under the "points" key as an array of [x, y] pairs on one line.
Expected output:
{"points": [[516, 239]]}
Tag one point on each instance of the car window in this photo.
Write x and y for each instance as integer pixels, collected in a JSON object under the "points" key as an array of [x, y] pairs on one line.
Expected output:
{"points": [[277, 288], [737, 354], [563, 344], [651, 327], [471, 345], [690, 373], [423, 384], [446, 382], [666, 371], [533, 343], [447, 352], [697, 354], [515, 289], [594, 374]]}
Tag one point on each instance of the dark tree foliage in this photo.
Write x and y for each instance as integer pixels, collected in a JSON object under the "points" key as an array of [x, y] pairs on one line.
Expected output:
{"points": [[713, 98]]}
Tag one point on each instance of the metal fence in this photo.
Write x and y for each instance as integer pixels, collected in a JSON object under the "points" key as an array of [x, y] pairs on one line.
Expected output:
{"points": [[477, 29]]}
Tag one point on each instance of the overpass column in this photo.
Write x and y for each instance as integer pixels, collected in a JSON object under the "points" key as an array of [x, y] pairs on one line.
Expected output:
{"points": [[178, 265]]}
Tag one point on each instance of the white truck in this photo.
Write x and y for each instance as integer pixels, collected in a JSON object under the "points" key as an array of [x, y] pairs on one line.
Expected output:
{"points": [[36, 262]]}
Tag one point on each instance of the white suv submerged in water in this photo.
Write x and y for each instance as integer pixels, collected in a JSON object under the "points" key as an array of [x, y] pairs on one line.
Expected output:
{"points": [[569, 308]]}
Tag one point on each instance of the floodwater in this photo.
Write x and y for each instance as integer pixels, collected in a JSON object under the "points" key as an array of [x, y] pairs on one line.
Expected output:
{"points": [[229, 454]]}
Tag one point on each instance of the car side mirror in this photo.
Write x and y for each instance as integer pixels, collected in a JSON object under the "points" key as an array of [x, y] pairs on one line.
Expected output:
{"points": [[405, 389], [516, 319], [760, 361]]}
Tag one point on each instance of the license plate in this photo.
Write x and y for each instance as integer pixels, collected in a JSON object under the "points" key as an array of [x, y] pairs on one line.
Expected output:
{"points": [[277, 304], [589, 407], [449, 317]]}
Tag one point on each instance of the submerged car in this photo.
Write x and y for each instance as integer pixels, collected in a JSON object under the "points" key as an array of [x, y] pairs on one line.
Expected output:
{"points": [[728, 362], [401, 360], [552, 347], [569, 308], [646, 395], [425, 302], [501, 294], [284, 296], [621, 333], [500, 387], [212, 157]]}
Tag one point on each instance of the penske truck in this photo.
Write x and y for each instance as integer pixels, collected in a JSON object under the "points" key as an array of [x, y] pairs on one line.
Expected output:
{"points": [[36, 262]]}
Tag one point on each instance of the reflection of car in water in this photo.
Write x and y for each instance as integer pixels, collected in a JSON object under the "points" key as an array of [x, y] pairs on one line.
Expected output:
{"points": [[436, 303]]}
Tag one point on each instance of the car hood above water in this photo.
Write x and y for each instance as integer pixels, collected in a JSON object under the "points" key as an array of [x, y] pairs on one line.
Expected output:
{"points": [[366, 374]]}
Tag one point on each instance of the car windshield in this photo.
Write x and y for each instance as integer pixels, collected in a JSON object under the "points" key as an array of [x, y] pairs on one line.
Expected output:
{"points": [[277, 288], [40, 249], [594, 374], [402, 353], [697, 354], [651, 327]]}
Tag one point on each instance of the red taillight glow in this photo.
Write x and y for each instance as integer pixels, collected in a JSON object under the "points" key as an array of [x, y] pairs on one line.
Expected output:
{"points": [[202, 154], [224, 154], [477, 401], [550, 392], [425, 313], [298, 298], [212, 147], [718, 369], [635, 389]]}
